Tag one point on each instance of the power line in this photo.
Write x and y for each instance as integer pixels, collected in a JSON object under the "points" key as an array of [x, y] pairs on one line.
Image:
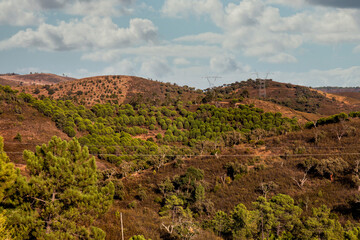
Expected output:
{"points": [[223, 155], [266, 147]]}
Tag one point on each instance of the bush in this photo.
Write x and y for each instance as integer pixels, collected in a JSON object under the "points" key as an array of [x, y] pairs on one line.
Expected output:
{"points": [[138, 237], [18, 137], [70, 131], [133, 204]]}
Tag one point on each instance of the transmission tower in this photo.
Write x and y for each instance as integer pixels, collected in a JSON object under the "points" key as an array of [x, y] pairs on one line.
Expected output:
{"points": [[262, 84], [211, 80]]}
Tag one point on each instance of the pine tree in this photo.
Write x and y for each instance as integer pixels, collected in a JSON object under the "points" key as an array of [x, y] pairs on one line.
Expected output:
{"points": [[7, 171], [62, 197], [5, 233]]}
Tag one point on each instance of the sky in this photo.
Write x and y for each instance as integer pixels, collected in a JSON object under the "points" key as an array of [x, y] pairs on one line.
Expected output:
{"points": [[307, 42]]}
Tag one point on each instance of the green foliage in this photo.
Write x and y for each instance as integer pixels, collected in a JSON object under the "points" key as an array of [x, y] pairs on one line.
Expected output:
{"points": [[279, 218], [61, 199], [132, 204], [5, 232], [141, 193], [7, 171], [327, 167], [332, 119], [322, 225], [235, 170], [138, 237], [18, 137]]}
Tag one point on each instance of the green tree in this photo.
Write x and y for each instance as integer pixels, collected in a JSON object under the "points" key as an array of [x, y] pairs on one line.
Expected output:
{"points": [[287, 215], [5, 233], [243, 223], [7, 171], [63, 197], [322, 225], [221, 223], [265, 219], [138, 237]]}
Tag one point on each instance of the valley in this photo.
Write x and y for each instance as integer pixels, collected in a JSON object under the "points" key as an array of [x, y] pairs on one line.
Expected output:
{"points": [[177, 162]]}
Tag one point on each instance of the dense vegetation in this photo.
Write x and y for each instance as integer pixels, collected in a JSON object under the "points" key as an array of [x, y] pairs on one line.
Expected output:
{"points": [[61, 197], [109, 130], [214, 173]]}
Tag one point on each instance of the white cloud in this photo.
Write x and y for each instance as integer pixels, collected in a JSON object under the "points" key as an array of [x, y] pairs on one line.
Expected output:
{"points": [[337, 3], [292, 3], [209, 38], [225, 64], [279, 58], [170, 50], [181, 61], [155, 68], [18, 13], [341, 77], [184, 8], [89, 33], [257, 28], [124, 67], [99, 8], [31, 12]]}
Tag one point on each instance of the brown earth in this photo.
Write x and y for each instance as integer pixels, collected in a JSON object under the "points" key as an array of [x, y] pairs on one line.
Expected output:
{"points": [[34, 128], [115, 90], [300, 98], [302, 117], [33, 79]]}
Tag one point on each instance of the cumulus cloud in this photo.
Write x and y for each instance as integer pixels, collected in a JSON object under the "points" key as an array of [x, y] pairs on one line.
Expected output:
{"points": [[155, 68], [337, 3], [341, 77], [99, 8], [208, 37], [18, 13], [184, 8], [181, 61], [124, 67], [89, 33], [292, 3], [225, 64], [30, 12], [256, 28], [169, 50], [279, 58]]}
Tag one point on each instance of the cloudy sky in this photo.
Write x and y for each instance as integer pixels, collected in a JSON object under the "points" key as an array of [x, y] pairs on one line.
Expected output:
{"points": [[308, 42]]}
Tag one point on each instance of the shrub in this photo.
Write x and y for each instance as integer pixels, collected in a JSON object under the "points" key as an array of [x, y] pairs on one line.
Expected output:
{"points": [[18, 137], [133, 204]]}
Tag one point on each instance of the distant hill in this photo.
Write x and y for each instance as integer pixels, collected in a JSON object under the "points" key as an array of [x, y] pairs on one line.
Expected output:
{"points": [[338, 89], [32, 79], [116, 90], [299, 98]]}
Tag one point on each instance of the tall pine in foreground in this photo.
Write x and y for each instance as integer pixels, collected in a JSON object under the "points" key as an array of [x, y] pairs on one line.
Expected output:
{"points": [[7, 179], [62, 197], [7, 171]]}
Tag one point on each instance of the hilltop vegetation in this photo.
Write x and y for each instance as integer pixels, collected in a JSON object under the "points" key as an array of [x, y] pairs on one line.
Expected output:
{"points": [[32, 79], [294, 96], [188, 167], [115, 90]]}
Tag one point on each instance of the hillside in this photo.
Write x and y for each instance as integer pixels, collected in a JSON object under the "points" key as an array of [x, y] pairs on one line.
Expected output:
{"points": [[116, 90], [200, 168], [245, 173], [338, 89], [17, 118], [296, 97], [32, 79]]}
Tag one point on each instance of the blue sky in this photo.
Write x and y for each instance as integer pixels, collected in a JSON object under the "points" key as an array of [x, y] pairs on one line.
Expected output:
{"points": [[307, 42]]}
